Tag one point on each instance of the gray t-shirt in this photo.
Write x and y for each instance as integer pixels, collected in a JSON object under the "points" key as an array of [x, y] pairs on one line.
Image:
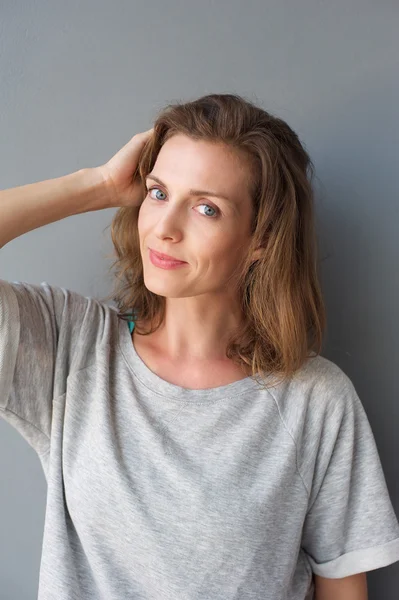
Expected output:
{"points": [[158, 492]]}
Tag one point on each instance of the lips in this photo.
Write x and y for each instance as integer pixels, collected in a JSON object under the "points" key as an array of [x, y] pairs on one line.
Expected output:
{"points": [[166, 257]]}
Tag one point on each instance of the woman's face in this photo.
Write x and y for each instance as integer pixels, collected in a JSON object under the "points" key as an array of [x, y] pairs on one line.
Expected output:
{"points": [[210, 233]]}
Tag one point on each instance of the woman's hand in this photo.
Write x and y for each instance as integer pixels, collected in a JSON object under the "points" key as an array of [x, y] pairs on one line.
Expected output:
{"points": [[118, 172]]}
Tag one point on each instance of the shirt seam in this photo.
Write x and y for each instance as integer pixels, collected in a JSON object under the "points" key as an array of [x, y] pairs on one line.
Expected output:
{"points": [[295, 444], [8, 410], [180, 400], [382, 544], [355, 550], [71, 373]]}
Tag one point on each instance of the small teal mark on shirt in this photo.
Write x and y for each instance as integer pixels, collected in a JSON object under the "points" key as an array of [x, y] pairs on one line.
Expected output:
{"points": [[132, 315]]}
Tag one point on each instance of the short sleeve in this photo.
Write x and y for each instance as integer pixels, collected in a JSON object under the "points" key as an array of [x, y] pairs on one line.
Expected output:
{"points": [[41, 328], [350, 525]]}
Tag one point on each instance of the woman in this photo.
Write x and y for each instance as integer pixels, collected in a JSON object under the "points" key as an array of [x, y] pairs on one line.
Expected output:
{"points": [[195, 443]]}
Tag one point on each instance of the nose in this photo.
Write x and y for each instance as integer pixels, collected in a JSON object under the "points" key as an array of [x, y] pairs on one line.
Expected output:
{"points": [[170, 223]]}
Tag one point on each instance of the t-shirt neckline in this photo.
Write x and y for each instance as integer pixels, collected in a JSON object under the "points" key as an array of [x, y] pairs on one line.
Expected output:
{"points": [[169, 390]]}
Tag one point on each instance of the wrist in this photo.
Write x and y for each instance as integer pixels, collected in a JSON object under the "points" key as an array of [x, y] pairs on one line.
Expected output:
{"points": [[99, 192]]}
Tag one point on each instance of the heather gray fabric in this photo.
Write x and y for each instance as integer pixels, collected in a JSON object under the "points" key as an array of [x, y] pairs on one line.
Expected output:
{"points": [[160, 492]]}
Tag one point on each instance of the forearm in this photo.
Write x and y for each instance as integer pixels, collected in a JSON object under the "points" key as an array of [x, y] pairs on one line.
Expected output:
{"points": [[353, 587], [30, 206]]}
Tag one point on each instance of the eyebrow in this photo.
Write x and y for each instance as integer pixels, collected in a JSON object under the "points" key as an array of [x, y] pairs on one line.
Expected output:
{"points": [[193, 192]]}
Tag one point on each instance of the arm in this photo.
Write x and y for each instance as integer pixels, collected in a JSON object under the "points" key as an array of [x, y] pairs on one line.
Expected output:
{"points": [[30, 206], [353, 587], [116, 183]]}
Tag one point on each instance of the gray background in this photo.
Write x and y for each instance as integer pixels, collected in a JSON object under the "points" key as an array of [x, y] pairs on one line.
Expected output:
{"points": [[79, 79]]}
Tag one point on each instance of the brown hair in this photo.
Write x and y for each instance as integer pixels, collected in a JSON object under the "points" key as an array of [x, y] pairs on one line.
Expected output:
{"points": [[280, 292]]}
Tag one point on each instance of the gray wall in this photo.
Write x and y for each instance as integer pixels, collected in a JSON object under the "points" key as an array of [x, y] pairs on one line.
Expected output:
{"points": [[79, 79]]}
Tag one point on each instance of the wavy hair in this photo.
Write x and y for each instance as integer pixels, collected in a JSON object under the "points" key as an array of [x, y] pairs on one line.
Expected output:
{"points": [[280, 292]]}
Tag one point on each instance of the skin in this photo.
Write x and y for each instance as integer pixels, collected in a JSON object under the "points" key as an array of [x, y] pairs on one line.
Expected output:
{"points": [[208, 233], [201, 308], [353, 587]]}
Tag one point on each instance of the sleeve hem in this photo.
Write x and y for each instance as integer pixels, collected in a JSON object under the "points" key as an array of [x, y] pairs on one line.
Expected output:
{"points": [[358, 561]]}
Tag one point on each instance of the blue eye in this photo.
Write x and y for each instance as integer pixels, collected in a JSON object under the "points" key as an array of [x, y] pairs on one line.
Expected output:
{"points": [[158, 190], [216, 211]]}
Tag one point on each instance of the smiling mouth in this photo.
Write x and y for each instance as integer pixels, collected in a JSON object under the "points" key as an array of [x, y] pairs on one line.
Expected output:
{"points": [[165, 257], [165, 264]]}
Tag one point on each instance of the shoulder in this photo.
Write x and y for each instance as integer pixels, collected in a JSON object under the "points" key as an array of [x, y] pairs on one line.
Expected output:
{"points": [[75, 323], [318, 377], [323, 378], [320, 390]]}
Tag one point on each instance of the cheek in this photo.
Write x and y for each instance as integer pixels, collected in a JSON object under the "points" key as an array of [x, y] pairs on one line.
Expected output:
{"points": [[217, 255], [144, 218], [221, 246], [224, 254]]}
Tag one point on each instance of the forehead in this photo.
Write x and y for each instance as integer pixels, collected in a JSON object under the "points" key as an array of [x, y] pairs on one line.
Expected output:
{"points": [[198, 163]]}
